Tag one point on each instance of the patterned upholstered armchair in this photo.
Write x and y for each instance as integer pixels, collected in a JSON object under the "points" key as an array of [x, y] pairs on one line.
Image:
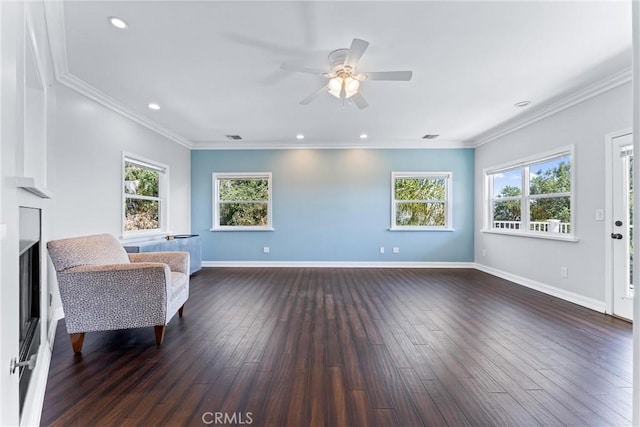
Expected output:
{"points": [[104, 288]]}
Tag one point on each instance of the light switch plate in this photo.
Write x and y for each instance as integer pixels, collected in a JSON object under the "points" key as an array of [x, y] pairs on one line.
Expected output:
{"points": [[599, 214]]}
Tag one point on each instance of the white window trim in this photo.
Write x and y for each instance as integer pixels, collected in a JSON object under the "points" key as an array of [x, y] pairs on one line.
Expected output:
{"points": [[163, 196], [216, 206], [523, 164], [448, 202]]}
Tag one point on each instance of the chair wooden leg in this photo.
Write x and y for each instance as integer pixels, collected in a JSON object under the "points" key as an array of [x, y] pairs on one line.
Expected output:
{"points": [[180, 310], [77, 340], [159, 333]]}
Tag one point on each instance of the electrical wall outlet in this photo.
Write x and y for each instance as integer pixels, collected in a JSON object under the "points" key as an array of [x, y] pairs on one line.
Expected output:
{"points": [[484, 252], [381, 249], [564, 272], [396, 250], [265, 250], [599, 214]]}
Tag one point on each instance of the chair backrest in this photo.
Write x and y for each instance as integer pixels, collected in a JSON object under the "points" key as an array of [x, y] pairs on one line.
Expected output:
{"points": [[98, 249]]}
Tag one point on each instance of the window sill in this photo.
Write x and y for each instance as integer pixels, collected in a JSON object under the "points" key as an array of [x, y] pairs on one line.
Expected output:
{"points": [[547, 236], [422, 229], [243, 229]]}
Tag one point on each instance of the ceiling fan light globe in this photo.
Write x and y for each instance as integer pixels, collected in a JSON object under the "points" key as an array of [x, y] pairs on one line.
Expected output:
{"points": [[335, 84], [335, 93], [351, 84]]}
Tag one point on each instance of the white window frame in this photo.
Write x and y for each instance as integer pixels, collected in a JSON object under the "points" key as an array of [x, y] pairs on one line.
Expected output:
{"points": [[163, 195], [448, 201], [216, 203], [523, 165]]}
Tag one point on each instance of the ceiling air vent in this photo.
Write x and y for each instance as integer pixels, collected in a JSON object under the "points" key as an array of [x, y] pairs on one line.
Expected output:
{"points": [[234, 137], [430, 136]]}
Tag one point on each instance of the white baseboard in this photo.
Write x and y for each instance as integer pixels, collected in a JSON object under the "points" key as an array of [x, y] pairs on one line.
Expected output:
{"points": [[57, 315], [581, 300], [338, 264]]}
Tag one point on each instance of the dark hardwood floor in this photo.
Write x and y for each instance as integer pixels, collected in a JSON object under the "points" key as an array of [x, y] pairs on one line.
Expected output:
{"points": [[352, 347]]}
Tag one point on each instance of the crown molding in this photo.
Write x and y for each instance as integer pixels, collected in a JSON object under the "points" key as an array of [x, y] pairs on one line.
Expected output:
{"points": [[54, 12], [611, 82], [102, 98], [327, 145]]}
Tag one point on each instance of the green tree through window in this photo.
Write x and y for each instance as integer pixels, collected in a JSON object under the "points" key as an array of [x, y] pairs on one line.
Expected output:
{"points": [[242, 201], [508, 210], [547, 196], [142, 197], [421, 200], [553, 181]]}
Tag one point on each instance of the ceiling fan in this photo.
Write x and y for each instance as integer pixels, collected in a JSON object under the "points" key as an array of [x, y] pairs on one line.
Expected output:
{"points": [[344, 79]]}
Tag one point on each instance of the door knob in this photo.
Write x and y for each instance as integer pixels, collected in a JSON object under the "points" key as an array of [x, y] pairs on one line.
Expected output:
{"points": [[616, 236]]}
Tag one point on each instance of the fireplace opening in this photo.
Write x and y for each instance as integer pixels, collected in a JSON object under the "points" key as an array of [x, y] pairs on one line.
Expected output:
{"points": [[30, 283]]}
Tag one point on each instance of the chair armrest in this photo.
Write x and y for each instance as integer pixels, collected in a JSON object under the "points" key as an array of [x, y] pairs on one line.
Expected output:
{"points": [[113, 267], [177, 261], [150, 277], [117, 296]]}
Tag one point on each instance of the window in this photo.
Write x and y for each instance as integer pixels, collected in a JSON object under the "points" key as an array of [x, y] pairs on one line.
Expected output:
{"points": [[144, 196], [242, 201], [532, 197], [421, 201]]}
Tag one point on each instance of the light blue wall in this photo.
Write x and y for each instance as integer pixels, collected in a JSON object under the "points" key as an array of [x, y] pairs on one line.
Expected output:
{"points": [[334, 205]]}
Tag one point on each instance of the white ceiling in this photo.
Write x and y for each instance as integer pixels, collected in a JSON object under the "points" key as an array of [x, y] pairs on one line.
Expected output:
{"points": [[214, 67]]}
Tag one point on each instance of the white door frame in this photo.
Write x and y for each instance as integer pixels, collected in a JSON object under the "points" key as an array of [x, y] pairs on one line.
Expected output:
{"points": [[608, 217]]}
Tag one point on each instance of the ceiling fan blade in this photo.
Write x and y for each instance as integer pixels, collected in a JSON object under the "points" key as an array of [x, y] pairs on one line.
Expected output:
{"points": [[301, 69], [262, 44], [359, 100], [309, 99], [387, 75], [357, 49]]}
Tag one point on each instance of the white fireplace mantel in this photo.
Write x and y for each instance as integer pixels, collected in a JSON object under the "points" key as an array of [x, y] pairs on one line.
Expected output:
{"points": [[29, 184]]}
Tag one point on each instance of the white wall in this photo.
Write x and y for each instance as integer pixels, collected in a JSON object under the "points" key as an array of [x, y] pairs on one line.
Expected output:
{"points": [[11, 119], [538, 260], [85, 167]]}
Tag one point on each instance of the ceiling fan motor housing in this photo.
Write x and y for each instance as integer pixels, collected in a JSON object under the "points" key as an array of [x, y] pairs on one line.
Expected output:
{"points": [[337, 59]]}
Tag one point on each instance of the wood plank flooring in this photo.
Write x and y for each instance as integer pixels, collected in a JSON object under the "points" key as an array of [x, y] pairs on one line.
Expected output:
{"points": [[351, 347]]}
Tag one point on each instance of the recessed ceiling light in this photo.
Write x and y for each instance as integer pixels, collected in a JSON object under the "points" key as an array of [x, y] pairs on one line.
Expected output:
{"points": [[117, 22], [364, 136], [299, 136], [522, 104], [153, 106]]}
